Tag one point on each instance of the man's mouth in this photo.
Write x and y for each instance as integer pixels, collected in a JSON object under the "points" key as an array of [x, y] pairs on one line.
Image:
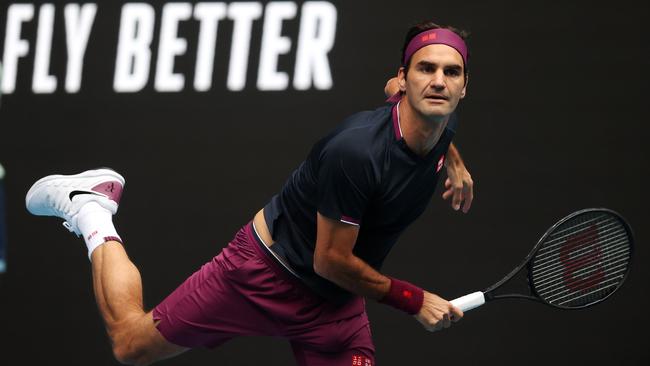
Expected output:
{"points": [[436, 97]]}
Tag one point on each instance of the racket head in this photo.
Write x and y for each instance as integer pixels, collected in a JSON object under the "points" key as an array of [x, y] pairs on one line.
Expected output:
{"points": [[581, 260]]}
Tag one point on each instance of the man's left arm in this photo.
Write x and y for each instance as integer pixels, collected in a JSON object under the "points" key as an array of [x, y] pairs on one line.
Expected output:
{"points": [[459, 183]]}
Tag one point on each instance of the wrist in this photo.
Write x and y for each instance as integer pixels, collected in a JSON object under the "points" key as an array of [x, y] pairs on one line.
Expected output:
{"points": [[453, 159], [452, 163], [452, 155], [404, 296]]}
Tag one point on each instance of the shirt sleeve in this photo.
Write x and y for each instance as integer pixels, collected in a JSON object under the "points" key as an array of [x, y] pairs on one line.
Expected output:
{"points": [[346, 181]]}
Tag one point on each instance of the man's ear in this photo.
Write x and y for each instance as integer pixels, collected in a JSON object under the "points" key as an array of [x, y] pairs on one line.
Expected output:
{"points": [[464, 91], [401, 79]]}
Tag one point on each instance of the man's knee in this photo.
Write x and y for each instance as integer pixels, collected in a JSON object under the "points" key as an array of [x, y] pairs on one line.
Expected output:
{"points": [[126, 355], [138, 342], [128, 350]]}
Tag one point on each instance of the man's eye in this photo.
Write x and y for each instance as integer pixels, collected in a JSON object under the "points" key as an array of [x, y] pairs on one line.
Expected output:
{"points": [[452, 72]]}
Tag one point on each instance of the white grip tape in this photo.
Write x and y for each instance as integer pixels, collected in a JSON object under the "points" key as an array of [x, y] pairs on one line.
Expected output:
{"points": [[470, 301]]}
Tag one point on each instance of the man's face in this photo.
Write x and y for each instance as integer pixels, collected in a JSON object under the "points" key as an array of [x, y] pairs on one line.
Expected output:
{"points": [[435, 82]]}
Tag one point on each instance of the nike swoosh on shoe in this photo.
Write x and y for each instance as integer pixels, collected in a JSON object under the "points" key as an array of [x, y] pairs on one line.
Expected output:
{"points": [[75, 193]]}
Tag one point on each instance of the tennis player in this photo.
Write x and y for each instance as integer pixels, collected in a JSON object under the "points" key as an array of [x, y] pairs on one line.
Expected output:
{"points": [[303, 266]]}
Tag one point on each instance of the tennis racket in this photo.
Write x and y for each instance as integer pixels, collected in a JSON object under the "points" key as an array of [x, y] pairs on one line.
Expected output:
{"points": [[580, 261]]}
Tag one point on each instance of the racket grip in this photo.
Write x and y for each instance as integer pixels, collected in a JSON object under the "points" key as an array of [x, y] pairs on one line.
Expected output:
{"points": [[469, 301]]}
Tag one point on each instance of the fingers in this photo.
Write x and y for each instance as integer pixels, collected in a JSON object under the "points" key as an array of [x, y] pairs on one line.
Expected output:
{"points": [[433, 327], [439, 324], [436, 325], [455, 191], [456, 313], [437, 313], [453, 314], [458, 197], [462, 194], [469, 197], [439, 320], [448, 191], [446, 322]]}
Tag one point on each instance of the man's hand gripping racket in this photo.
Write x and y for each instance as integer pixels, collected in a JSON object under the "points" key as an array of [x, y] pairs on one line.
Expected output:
{"points": [[580, 261]]}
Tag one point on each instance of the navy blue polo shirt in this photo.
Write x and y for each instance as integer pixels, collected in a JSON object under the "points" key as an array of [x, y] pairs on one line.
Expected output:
{"points": [[364, 174]]}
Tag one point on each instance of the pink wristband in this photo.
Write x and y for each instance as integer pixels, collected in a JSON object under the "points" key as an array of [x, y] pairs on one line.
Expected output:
{"points": [[404, 296]]}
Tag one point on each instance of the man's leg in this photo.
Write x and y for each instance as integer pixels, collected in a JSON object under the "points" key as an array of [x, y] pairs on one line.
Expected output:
{"points": [[118, 291], [87, 202]]}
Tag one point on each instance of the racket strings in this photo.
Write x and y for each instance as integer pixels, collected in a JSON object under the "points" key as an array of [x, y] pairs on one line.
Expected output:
{"points": [[572, 229], [578, 299], [551, 293], [548, 266], [558, 280], [582, 261], [572, 296], [572, 284], [549, 249]]}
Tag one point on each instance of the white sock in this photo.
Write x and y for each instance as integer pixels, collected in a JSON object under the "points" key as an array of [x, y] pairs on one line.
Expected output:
{"points": [[96, 225]]}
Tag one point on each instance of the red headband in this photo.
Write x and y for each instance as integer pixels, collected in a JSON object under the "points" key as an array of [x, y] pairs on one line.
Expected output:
{"points": [[436, 36]]}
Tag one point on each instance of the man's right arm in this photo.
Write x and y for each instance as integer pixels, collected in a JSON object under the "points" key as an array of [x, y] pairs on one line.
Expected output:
{"points": [[335, 261]]}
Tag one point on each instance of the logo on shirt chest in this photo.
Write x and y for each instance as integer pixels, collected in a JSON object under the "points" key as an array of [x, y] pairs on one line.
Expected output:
{"points": [[441, 162]]}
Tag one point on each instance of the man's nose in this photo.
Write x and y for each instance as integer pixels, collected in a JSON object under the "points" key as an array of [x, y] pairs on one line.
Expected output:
{"points": [[438, 80]]}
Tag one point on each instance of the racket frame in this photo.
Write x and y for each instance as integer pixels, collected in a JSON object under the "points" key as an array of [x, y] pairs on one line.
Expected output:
{"points": [[488, 292]]}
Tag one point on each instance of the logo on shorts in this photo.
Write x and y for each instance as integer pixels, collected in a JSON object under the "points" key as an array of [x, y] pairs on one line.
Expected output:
{"points": [[358, 360]]}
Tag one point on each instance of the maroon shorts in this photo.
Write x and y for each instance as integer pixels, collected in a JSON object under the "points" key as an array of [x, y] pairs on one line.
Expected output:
{"points": [[243, 291]]}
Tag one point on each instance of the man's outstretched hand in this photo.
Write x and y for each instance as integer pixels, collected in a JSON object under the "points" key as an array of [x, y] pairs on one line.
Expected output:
{"points": [[459, 184]]}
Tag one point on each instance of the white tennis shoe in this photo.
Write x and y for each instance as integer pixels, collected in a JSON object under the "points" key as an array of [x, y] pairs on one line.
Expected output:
{"points": [[64, 195]]}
